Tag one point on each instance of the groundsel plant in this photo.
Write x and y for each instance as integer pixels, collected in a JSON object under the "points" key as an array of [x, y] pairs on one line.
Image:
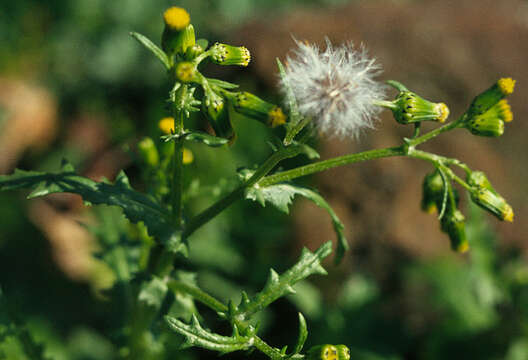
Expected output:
{"points": [[333, 91]]}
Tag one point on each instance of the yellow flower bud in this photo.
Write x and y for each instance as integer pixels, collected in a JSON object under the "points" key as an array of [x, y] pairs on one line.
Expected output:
{"points": [[166, 125], [176, 18]]}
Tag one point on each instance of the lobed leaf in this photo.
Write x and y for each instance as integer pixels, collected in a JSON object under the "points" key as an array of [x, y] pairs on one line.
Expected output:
{"points": [[195, 335], [136, 206], [278, 286], [281, 196]]}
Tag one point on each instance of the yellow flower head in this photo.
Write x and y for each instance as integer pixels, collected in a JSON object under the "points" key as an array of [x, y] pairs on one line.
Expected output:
{"points": [[443, 110], [176, 18], [506, 85], [166, 125]]}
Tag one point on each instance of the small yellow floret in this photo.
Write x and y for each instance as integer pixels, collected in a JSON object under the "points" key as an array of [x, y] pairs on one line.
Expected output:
{"points": [[185, 71], [505, 110], [188, 156], [508, 214], [176, 18], [463, 247], [444, 112], [166, 125], [506, 85], [276, 117]]}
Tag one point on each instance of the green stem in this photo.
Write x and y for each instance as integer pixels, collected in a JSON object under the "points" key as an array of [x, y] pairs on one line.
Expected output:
{"points": [[215, 209], [177, 171], [272, 353], [331, 163], [198, 294], [438, 160], [434, 133]]}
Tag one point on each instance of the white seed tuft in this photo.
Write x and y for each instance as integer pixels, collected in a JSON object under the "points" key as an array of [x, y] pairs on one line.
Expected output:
{"points": [[335, 87]]}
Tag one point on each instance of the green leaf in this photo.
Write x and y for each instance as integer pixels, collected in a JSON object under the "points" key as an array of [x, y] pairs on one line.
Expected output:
{"points": [[195, 335], [153, 292], [160, 54], [279, 286], [281, 196], [136, 206], [199, 137], [222, 84], [303, 335]]}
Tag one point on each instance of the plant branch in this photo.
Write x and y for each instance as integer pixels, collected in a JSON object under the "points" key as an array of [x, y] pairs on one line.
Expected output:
{"points": [[215, 209], [331, 163]]}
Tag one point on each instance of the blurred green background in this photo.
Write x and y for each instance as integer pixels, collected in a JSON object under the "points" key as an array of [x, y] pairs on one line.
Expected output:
{"points": [[74, 84]]}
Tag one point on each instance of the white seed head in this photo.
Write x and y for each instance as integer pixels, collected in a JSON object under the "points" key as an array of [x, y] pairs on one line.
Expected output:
{"points": [[335, 87]]}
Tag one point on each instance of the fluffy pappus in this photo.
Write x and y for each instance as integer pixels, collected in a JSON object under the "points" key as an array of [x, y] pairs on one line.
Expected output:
{"points": [[335, 87]]}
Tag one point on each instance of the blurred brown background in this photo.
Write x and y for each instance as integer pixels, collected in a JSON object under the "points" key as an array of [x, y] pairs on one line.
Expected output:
{"points": [[446, 51]]}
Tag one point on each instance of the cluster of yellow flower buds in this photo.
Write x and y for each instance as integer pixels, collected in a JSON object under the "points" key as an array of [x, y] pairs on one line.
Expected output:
{"points": [[437, 198], [186, 53], [490, 110]]}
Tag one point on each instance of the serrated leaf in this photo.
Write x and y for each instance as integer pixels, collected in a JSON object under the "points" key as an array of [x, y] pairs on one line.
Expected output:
{"points": [[160, 54], [276, 287], [153, 292], [303, 335], [196, 335], [198, 136], [281, 196], [222, 84], [136, 206]]}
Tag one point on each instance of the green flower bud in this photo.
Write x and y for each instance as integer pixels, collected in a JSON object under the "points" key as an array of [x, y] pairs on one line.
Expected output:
{"points": [[223, 54], [485, 196], [186, 72], [323, 352], [193, 51], [412, 108], [215, 109], [432, 192], [178, 34], [491, 123], [453, 224], [343, 352], [250, 105], [148, 153], [487, 99], [408, 107]]}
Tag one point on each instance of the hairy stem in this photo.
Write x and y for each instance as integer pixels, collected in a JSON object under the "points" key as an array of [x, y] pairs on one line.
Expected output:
{"points": [[434, 133], [331, 163], [177, 171]]}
